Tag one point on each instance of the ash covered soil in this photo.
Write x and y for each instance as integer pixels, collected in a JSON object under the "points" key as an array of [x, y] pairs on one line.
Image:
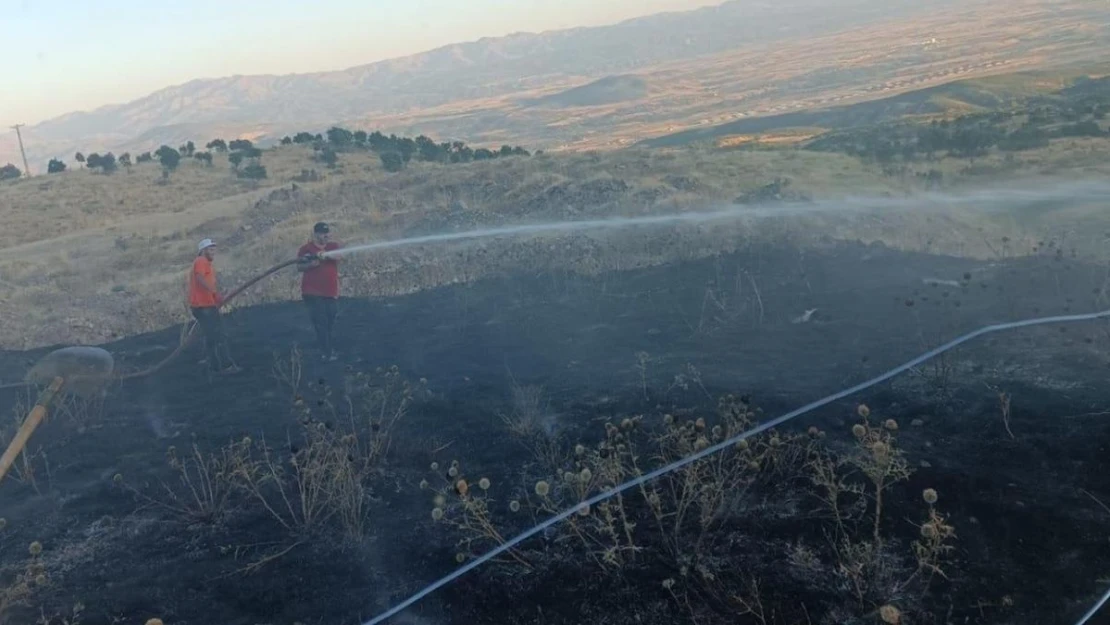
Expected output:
{"points": [[777, 327]]}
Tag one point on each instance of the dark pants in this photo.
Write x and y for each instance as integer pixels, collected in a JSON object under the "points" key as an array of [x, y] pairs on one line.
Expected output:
{"points": [[322, 310], [212, 326]]}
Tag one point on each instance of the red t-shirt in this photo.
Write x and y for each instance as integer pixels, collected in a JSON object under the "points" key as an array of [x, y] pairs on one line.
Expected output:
{"points": [[322, 280]]}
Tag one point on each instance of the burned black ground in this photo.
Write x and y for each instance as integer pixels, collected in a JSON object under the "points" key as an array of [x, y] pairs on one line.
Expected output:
{"points": [[1031, 543]]}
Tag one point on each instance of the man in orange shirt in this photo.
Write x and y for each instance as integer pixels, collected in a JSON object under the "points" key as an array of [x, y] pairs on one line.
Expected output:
{"points": [[205, 301]]}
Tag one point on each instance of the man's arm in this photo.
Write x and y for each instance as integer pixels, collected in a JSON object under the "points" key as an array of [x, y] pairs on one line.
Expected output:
{"points": [[303, 263]]}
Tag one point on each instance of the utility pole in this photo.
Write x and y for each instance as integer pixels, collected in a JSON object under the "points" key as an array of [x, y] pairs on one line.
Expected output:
{"points": [[22, 152]]}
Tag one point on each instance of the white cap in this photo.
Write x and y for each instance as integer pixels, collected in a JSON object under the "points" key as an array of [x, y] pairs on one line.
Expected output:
{"points": [[205, 244]]}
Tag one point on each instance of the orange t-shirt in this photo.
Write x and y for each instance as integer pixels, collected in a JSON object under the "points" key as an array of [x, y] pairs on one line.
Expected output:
{"points": [[199, 296]]}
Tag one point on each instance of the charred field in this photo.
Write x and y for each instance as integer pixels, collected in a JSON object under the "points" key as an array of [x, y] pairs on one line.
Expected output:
{"points": [[967, 491]]}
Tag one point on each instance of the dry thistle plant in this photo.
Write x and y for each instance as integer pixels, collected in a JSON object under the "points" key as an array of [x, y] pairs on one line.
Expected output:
{"points": [[677, 518], [204, 482], [20, 586], [375, 404], [933, 545], [466, 508], [320, 478], [856, 510], [879, 459], [287, 371]]}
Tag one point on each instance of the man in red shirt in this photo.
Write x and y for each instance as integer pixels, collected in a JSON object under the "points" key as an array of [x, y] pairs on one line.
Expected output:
{"points": [[320, 285]]}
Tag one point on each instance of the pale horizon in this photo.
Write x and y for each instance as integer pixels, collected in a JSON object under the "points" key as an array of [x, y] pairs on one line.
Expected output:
{"points": [[77, 58]]}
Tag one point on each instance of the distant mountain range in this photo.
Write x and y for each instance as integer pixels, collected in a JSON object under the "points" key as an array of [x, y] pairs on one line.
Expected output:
{"points": [[262, 106]]}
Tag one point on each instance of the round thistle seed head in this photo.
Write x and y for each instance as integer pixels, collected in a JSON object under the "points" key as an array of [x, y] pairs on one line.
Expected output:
{"points": [[543, 488], [929, 495]]}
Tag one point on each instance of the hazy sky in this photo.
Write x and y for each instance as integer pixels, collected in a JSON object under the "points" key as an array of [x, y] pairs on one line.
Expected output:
{"points": [[67, 55]]}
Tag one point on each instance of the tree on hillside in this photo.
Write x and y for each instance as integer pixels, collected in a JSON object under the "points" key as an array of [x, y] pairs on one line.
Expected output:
{"points": [[340, 137], [10, 172], [428, 150], [240, 144], [218, 145], [204, 157], [236, 159], [286, 140], [125, 159], [360, 137], [188, 149], [55, 166], [303, 137], [379, 142], [80, 158], [145, 157], [106, 163], [392, 161], [169, 158]]}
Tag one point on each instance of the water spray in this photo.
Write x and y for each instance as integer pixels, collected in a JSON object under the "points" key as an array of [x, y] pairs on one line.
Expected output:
{"points": [[989, 199], [674, 466]]}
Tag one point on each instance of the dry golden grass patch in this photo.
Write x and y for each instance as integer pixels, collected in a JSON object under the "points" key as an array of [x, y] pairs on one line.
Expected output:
{"points": [[118, 269]]}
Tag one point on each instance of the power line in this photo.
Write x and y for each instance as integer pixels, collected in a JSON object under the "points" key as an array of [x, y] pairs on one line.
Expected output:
{"points": [[22, 152]]}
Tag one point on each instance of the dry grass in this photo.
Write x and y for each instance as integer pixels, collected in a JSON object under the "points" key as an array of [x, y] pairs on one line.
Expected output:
{"points": [[103, 256]]}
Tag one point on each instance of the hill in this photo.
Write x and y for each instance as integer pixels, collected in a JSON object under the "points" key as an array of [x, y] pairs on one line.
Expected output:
{"points": [[608, 90], [708, 65]]}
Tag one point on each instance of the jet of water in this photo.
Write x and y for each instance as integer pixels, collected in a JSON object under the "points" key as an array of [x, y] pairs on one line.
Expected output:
{"points": [[989, 200]]}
